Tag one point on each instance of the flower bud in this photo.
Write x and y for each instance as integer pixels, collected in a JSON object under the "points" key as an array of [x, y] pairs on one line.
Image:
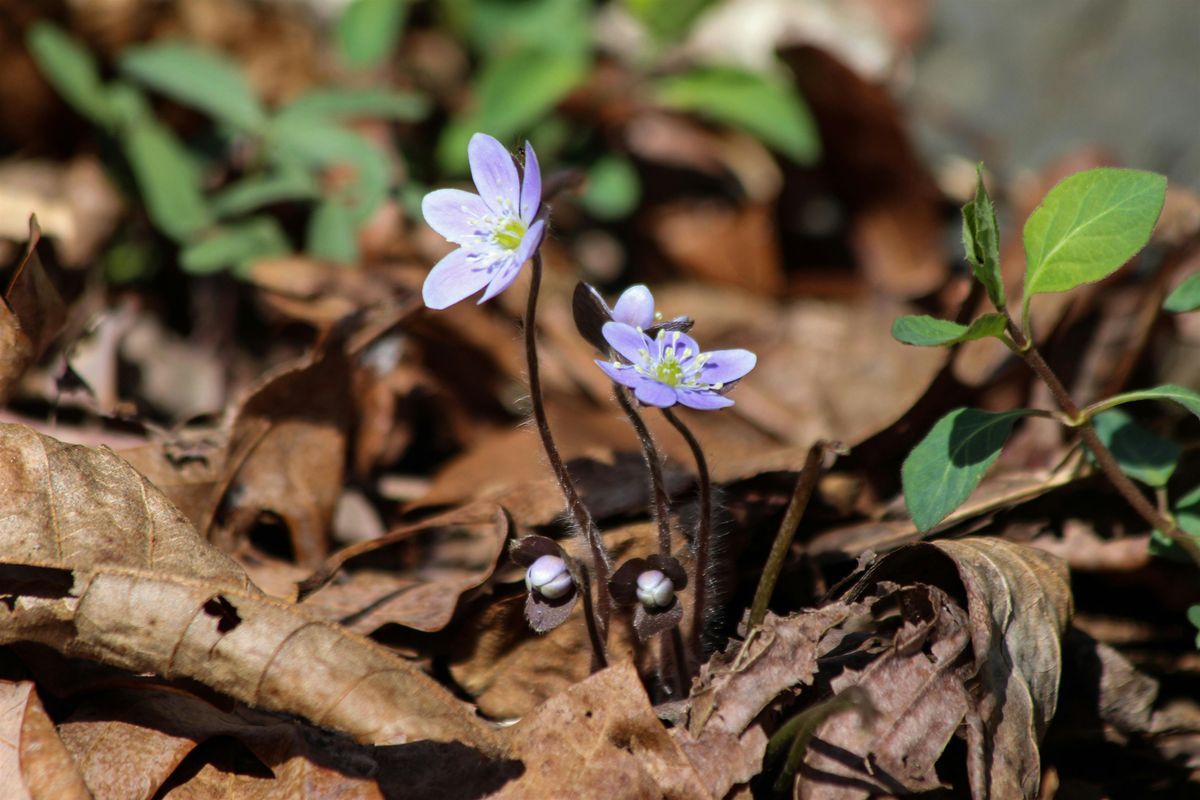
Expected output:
{"points": [[655, 589], [635, 307], [549, 577]]}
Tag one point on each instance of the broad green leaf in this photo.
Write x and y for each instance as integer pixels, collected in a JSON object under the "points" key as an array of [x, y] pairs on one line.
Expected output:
{"points": [[168, 179], [926, 331], [235, 247], [349, 103], [497, 27], [1143, 455], [667, 20], [612, 190], [1185, 297], [368, 30], [320, 143], [71, 70], [203, 79], [332, 233], [1178, 394], [945, 467], [1187, 517], [1193, 615], [513, 92], [256, 191], [767, 108], [981, 240], [1088, 226]]}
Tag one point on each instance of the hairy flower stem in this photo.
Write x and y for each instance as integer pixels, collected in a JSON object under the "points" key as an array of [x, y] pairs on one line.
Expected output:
{"points": [[703, 534], [787, 531], [1104, 457], [601, 562], [671, 651]]}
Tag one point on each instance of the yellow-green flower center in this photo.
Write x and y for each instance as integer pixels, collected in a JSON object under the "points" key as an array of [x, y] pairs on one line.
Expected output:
{"points": [[510, 234], [668, 370]]}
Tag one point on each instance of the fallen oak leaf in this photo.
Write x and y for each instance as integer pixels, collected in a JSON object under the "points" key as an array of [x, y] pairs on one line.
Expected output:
{"points": [[271, 654], [34, 763]]}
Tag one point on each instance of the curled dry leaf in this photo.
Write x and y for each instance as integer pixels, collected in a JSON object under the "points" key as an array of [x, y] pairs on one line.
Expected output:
{"points": [[602, 739], [287, 450], [34, 763], [260, 651], [1018, 603], [31, 315]]}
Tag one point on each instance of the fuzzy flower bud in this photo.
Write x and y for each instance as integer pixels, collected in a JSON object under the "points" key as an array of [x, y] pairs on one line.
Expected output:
{"points": [[635, 307], [655, 590], [549, 577]]}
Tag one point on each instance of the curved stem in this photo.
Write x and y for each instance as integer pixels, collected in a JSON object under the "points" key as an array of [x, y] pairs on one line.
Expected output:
{"points": [[703, 533], [658, 489], [1104, 457], [601, 562], [787, 531]]}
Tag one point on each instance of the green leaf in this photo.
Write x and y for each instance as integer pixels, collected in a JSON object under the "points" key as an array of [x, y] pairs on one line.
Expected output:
{"points": [[513, 92], [256, 191], [496, 27], [203, 79], [1178, 394], [945, 467], [332, 234], [1187, 517], [71, 70], [168, 179], [1143, 455], [1186, 296], [235, 247], [349, 103], [981, 240], [319, 143], [667, 20], [613, 189], [926, 331], [1088, 226], [1193, 615], [367, 31], [764, 107]]}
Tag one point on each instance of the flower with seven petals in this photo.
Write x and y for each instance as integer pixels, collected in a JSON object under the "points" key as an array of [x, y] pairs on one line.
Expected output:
{"points": [[496, 231], [670, 368]]}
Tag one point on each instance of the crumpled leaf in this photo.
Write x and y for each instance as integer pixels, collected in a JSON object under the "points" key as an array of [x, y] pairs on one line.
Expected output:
{"points": [[287, 450], [31, 315], [34, 764], [602, 739], [1018, 604], [260, 651]]}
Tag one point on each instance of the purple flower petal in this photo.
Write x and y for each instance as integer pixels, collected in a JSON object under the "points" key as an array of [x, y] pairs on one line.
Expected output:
{"points": [[503, 276], [495, 174], [531, 241], [652, 393], [531, 186], [624, 375], [703, 399], [454, 214], [626, 340], [635, 307], [681, 342], [456, 277], [725, 366]]}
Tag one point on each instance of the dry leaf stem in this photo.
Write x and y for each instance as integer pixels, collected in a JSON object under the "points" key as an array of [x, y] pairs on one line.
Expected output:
{"points": [[787, 531], [1104, 457], [601, 562], [703, 533]]}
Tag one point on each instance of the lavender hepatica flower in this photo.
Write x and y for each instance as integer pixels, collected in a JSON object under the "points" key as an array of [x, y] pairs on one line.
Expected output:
{"points": [[634, 307], [496, 231], [552, 590], [670, 367]]}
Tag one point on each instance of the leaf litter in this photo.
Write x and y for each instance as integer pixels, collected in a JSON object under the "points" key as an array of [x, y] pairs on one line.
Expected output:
{"points": [[182, 618]]}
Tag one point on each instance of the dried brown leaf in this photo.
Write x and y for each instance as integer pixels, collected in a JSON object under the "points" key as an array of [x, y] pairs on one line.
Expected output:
{"points": [[31, 316], [602, 739], [261, 651], [34, 764]]}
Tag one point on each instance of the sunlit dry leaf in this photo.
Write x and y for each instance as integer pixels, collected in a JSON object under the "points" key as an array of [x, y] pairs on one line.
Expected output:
{"points": [[187, 472], [287, 450], [76, 506], [261, 651], [34, 764], [602, 739], [30, 317], [724, 245]]}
